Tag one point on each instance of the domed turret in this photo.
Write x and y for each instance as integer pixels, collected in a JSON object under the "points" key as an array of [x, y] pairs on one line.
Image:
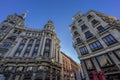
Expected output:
{"points": [[49, 26]]}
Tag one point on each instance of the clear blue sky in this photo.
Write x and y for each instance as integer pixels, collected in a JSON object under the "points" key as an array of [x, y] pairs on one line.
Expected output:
{"points": [[60, 11]]}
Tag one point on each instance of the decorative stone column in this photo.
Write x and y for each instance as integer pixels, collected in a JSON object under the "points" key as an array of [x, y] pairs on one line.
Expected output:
{"points": [[84, 71]]}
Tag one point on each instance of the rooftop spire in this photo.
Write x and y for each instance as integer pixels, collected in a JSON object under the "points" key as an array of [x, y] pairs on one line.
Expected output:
{"points": [[24, 14]]}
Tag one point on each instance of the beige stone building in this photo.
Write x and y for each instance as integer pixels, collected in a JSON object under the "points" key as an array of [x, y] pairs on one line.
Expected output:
{"points": [[96, 38], [69, 67], [28, 54]]}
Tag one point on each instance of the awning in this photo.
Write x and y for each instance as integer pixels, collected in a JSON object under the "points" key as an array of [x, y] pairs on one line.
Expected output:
{"points": [[95, 75], [101, 75]]}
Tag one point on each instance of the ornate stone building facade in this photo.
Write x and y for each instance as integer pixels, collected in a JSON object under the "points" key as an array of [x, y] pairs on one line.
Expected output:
{"points": [[27, 54], [96, 38]]}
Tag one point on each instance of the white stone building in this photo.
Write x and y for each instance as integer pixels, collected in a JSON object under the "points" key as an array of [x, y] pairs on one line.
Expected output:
{"points": [[96, 38], [28, 54]]}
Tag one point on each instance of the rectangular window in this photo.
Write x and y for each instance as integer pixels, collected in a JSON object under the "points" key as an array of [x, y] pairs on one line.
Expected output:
{"points": [[109, 39], [94, 22], [83, 50], [101, 29], [88, 34], [89, 16], [95, 46], [104, 60], [83, 27]]}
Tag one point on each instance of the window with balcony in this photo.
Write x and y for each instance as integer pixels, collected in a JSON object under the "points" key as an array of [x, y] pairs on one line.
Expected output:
{"points": [[104, 60], [83, 50], [83, 27], [101, 29], [6, 44], [89, 64], [109, 39], [3, 28], [88, 34], [94, 22], [95, 46]]}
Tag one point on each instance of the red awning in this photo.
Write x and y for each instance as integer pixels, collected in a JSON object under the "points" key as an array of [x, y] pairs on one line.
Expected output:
{"points": [[95, 75], [101, 75]]}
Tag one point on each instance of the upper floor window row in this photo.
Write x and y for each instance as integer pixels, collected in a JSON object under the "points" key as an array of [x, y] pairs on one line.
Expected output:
{"points": [[109, 39]]}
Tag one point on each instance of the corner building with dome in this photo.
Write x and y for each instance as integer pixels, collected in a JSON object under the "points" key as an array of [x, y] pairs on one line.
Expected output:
{"points": [[28, 54]]}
